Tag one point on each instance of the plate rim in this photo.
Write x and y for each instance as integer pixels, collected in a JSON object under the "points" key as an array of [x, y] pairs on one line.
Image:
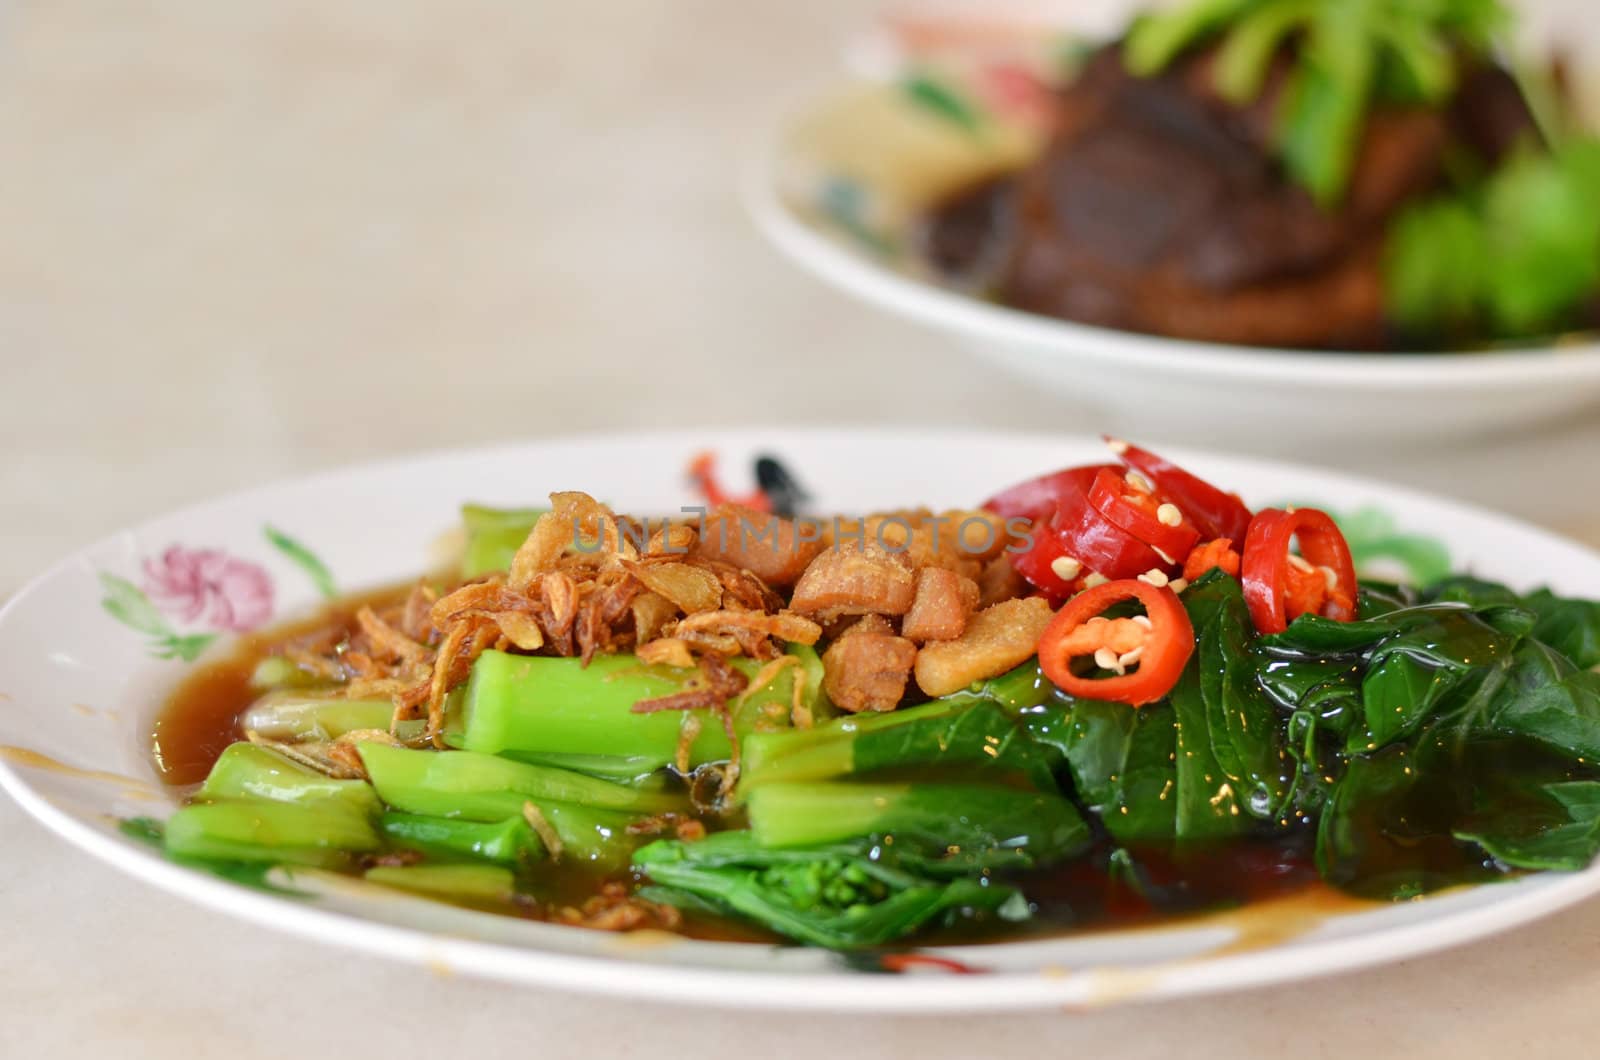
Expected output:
{"points": [[806, 991], [799, 990]]}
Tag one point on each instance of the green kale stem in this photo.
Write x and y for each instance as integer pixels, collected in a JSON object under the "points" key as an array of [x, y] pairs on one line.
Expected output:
{"points": [[955, 819], [289, 714], [511, 842], [487, 884], [589, 816], [493, 537], [481, 787], [321, 833], [825, 750], [976, 728], [250, 771], [276, 672], [533, 705]]}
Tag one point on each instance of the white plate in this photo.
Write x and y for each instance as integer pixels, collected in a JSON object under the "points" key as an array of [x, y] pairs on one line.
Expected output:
{"points": [[845, 175], [80, 688]]}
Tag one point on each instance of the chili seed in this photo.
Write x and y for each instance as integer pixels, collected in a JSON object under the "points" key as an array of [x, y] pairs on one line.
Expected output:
{"points": [[1066, 568], [1107, 659]]}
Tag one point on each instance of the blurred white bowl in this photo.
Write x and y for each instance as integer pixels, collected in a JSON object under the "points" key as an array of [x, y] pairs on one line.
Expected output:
{"points": [[839, 188]]}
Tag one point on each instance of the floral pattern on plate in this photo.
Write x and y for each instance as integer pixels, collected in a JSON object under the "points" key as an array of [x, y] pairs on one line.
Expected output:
{"points": [[183, 587]]}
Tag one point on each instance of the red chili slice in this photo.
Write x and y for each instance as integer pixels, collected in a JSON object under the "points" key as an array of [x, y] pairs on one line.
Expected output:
{"points": [[1156, 648], [1280, 586], [1215, 513], [1141, 514], [1090, 542], [905, 962], [1037, 565], [1037, 497], [703, 472]]}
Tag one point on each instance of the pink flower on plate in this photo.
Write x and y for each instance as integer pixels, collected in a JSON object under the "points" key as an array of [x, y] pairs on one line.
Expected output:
{"points": [[231, 593]]}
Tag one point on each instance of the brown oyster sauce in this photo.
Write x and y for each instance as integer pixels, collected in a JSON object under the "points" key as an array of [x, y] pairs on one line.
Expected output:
{"points": [[1268, 890], [202, 717]]}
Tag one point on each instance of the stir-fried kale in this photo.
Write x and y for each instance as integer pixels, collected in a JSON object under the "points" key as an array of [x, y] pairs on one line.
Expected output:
{"points": [[968, 824], [532, 707], [971, 732], [844, 851], [1570, 626], [1206, 763], [1439, 739], [1447, 735], [841, 896]]}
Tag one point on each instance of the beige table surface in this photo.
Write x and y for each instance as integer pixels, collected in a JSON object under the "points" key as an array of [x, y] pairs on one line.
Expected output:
{"points": [[240, 241]]}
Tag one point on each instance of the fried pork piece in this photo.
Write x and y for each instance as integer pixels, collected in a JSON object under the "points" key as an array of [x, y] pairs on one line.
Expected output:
{"points": [[961, 540], [854, 579], [774, 549], [995, 640], [866, 669], [999, 581], [943, 601], [861, 624]]}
